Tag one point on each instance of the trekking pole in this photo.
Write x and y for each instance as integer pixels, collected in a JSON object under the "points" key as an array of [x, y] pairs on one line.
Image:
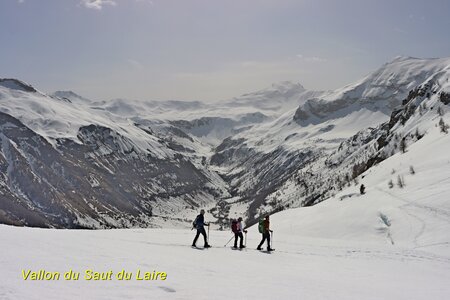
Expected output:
{"points": [[228, 241], [271, 240]]}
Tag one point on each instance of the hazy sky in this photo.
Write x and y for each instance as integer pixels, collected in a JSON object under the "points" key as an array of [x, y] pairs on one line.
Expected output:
{"points": [[210, 49]]}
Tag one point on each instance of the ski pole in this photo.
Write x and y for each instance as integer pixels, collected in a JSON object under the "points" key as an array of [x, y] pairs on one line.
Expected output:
{"points": [[208, 234], [245, 240], [228, 241]]}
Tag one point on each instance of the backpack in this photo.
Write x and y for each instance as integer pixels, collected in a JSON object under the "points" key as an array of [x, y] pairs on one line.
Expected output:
{"points": [[234, 224], [194, 224], [261, 226]]}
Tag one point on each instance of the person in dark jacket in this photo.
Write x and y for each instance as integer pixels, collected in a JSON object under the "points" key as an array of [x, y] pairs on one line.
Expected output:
{"points": [[238, 234], [362, 189], [266, 234], [200, 226]]}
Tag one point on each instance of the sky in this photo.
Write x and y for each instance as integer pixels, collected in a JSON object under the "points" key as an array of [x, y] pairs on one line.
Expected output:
{"points": [[210, 50]]}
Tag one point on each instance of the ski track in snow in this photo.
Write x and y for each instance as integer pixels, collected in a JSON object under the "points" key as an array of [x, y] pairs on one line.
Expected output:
{"points": [[436, 213], [336, 251]]}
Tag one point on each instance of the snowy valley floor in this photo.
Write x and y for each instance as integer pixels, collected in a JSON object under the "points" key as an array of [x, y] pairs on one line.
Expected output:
{"points": [[301, 268]]}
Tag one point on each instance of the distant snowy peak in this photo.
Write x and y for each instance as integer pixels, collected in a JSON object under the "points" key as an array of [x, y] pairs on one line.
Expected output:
{"points": [[381, 90], [401, 58], [275, 100], [70, 96], [15, 84], [283, 88], [395, 79], [213, 130], [168, 110]]}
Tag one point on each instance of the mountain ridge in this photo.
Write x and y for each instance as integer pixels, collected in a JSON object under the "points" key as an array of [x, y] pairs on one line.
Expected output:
{"points": [[233, 158]]}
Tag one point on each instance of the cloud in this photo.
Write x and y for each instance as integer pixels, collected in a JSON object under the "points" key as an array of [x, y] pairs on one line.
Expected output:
{"points": [[97, 4]]}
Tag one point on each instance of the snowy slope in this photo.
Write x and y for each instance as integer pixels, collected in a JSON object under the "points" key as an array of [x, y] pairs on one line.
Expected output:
{"points": [[300, 267], [415, 216]]}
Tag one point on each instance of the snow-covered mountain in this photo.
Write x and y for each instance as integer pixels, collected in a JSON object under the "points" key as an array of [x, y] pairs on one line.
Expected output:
{"points": [[290, 161], [380, 91], [65, 164], [68, 161]]}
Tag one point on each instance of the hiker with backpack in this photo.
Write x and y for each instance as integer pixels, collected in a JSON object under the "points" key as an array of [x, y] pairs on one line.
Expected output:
{"points": [[264, 229], [237, 228], [200, 224]]}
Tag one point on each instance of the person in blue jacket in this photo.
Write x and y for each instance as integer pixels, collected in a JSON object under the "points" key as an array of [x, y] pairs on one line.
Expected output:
{"points": [[200, 224]]}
